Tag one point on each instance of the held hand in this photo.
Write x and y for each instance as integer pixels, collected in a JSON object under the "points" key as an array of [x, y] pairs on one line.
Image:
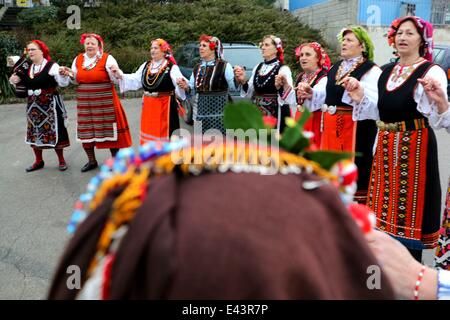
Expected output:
{"points": [[116, 72], [435, 93], [65, 71], [14, 79], [354, 88], [279, 81], [239, 74], [182, 83], [304, 91], [395, 260]]}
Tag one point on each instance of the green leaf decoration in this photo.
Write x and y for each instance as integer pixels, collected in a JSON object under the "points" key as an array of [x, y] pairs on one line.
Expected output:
{"points": [[242, 115], [305, 116], [326, 159], [293, 139]]}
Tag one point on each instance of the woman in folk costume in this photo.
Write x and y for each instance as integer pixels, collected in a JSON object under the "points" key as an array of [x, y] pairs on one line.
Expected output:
{"points": [[159, 78], [101, 120], [437, 94], [405, 190], [270, 85], [442, 258], [210, 81], [46, 113], [315, 64], [341, 130]]}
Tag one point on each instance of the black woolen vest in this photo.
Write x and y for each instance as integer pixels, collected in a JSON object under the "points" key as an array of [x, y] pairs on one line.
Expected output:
{"points": [[42, 80], [399, 105], [163, 84], [335, 92]]}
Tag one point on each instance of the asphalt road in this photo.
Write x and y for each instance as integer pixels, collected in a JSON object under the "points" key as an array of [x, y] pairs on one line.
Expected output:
{"points": [[36, 207]]}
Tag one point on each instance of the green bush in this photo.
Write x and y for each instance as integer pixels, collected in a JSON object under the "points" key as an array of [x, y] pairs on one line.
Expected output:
{"points": [[8, 46], [32, 18], [128, 26]]}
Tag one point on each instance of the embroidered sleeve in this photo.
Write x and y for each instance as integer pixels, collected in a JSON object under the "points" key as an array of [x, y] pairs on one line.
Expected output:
{"points": [[442, 120], [367, 108], [247, 89], [319, 96], [132, 81], [62, 81], [427, 107], [287, 96]]}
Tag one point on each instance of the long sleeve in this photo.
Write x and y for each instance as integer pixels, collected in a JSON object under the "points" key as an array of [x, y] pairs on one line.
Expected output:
{"points": [[110, 61], [247, 89], [367, 108], [319, 96], [427, 107], [132, 81], [62, 81], [74, 70], [229, 76], [442, 120], [289, 96], [192, 84], [175, 74]]}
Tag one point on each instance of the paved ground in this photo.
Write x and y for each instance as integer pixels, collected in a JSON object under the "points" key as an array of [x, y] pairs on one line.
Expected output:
{"points": [[35, 207]]}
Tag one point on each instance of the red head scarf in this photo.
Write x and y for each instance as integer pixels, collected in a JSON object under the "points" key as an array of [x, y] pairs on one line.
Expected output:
{"points": [[93, 35], [323, 58], [424, 28], [214, 44], [44, 49], [166, 48]]}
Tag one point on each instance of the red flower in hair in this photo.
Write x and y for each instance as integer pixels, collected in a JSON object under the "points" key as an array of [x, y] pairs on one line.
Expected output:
{"points": [[212, 46]]}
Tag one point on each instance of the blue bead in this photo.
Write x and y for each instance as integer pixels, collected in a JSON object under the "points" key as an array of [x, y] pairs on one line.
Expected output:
{"points": [[71, 228], [86, 197], [95, 181]]}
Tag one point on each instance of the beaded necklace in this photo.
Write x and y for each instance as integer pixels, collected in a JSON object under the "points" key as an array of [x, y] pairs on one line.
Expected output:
{"points": [[340, 75], [201, 75], [262, 78], [404, 71], [308, 78], [151, 77], [31, 72], [93, 64]]}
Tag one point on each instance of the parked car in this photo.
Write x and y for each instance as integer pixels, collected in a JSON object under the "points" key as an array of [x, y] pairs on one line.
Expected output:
{"points": [[441, 56], [244, 54]]}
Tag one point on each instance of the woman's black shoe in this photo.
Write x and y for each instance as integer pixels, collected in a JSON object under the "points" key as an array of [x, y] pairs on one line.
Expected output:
{"points": [[35, 166], [89, 166]]}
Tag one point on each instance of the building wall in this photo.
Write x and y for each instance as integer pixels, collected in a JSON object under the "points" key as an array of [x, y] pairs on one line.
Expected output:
{"points": [[329, 17], [299, 4], [384, 11], [282, 4]]}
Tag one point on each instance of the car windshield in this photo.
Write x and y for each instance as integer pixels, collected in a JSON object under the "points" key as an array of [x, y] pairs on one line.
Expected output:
{"points": [[438, 55], [244, 57]]}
